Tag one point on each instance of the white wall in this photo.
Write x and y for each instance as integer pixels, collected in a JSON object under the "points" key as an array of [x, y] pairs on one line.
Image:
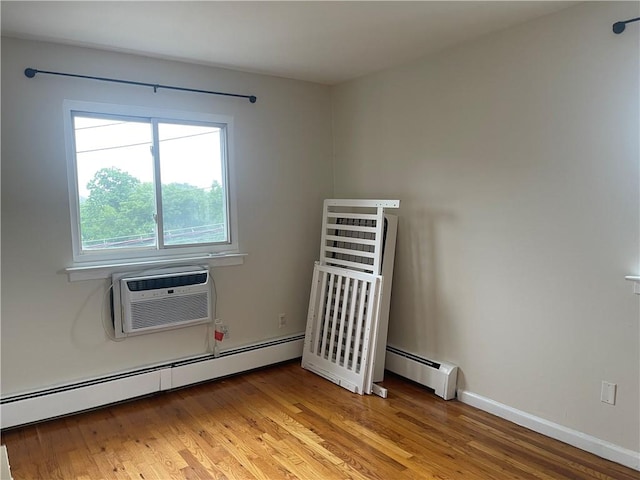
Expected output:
{"points": [[516, 159], [51, 328]]}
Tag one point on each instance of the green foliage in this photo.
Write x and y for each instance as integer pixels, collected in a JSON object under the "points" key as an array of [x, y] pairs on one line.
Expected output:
{"points": [[119, 212]]}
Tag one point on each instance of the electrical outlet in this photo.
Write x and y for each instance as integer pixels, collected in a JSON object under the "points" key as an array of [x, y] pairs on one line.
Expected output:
{"points": [[608, 393], [282, 320], [225, 329]]}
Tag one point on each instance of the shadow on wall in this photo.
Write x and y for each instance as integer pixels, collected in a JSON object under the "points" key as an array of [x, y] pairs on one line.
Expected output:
{"points": [[416, 307], [96, 306]]}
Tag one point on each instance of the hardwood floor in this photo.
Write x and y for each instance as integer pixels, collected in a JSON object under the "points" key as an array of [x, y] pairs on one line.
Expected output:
{"points": [[284, 423]]}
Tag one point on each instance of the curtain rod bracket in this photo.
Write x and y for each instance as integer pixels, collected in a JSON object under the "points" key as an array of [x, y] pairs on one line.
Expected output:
{"points": [[31, 72], [619, 27]]}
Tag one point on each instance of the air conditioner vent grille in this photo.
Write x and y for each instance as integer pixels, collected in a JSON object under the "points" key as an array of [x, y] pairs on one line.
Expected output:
{"points": [[169, 298], [166, 282], [165, 311]]}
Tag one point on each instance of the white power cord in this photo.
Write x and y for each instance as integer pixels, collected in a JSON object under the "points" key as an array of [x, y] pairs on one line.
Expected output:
{"points": [[108, 329]]}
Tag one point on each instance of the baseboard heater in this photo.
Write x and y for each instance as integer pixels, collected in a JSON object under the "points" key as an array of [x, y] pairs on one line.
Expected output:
{"points": [[72, 398], [439, 376]]}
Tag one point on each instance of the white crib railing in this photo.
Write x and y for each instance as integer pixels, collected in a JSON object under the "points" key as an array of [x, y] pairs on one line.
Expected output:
{"points": [[342, 326], [348, 307]]}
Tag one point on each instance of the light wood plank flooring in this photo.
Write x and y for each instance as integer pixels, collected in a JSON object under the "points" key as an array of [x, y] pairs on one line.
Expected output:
{"points": [[285, 423]]}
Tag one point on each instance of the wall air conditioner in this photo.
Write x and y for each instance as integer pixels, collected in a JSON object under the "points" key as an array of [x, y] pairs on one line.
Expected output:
{"points": [[172, 298]]}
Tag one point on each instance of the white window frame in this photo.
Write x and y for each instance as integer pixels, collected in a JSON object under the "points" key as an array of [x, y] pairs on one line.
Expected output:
{"points": [[170, 254]]}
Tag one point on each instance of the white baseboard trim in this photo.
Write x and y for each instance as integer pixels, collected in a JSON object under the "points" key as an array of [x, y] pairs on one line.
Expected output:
{"points": [[76, 397], [588, 443]]}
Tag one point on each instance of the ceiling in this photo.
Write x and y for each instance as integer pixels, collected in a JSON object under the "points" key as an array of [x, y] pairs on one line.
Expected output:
{"points": [[323, 41]]}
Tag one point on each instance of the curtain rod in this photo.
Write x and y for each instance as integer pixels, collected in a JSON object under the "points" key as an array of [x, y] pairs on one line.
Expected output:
{"points": [[31, 72], [619, 27]]}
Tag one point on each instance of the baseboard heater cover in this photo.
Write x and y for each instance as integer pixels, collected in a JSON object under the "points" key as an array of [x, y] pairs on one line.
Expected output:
{"points": [[75, 397], [439, 376]]}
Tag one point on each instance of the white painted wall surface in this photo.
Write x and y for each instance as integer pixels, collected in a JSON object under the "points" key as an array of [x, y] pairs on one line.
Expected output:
{"points": [[516, 158], [51, 328]]}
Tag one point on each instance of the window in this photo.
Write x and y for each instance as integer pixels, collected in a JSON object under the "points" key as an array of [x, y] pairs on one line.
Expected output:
{"points": [[148, 183]]}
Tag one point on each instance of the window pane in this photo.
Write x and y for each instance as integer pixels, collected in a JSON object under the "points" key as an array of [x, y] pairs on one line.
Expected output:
{"points": [[115, 183], [194, 207]]}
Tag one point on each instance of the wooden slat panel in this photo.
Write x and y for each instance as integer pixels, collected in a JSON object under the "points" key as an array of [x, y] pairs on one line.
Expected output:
{"points": [[350, 265], [354, 252], [353, 216], [339, 202], [361, 321], [351, 228], [353, 372], [346, 296], [336, 312], [358, 240], [319, 310], [348, 349], [327, 317]]}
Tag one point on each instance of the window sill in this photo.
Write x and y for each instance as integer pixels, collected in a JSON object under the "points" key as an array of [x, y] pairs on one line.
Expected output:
{"points": [[105, 270]]}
